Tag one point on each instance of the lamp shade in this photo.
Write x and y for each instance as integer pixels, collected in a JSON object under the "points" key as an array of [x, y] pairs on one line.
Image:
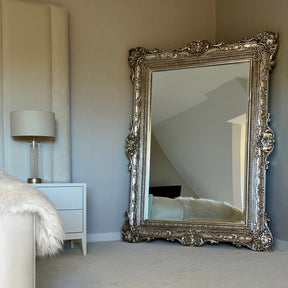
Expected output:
{"points": [[32, 123]]}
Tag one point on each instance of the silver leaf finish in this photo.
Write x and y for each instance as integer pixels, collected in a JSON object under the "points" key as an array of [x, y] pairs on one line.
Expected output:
{"points": [[260, 50]]}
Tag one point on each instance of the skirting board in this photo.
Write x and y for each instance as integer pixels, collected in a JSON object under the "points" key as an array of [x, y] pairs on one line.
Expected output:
{"points": [[280, 245], [103, 237]]}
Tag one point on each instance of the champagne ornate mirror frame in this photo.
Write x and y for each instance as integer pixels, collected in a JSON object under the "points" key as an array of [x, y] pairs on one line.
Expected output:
{"points": [[254, 232]]}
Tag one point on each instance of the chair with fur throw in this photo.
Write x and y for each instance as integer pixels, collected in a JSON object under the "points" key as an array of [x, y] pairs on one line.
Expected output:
{"points": [[30, 227]]}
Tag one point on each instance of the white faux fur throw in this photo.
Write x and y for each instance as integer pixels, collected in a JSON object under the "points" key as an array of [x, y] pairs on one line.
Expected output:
{"points": [[17, 197]]}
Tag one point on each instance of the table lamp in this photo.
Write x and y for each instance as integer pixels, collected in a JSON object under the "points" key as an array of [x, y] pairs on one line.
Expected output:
{"points": [[33, 125]]}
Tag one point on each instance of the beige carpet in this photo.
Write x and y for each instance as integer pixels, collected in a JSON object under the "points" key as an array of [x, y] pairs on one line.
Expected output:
{"points": [[163, 264]]}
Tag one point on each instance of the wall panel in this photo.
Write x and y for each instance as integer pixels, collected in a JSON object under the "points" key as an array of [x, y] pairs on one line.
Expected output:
{"points": [[31, 82]]}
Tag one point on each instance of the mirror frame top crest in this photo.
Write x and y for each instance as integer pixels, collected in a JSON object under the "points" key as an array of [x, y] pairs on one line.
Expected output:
{"points": [[254, 232]]}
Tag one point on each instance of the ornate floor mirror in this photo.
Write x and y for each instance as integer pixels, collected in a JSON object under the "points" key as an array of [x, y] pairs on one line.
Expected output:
{"points": [[199, 141]]}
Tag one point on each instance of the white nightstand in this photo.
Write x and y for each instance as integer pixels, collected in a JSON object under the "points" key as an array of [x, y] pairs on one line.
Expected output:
{"points": [[70, 202]]}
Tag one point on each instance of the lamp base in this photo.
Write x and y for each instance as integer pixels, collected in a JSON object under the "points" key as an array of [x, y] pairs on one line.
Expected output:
{"points": [[34, 180]]}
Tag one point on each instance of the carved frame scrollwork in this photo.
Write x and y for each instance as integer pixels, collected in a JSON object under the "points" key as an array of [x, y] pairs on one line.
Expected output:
{"points": [[255, 234]]}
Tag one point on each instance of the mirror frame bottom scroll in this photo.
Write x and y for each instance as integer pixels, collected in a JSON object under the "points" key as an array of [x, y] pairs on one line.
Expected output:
{"points": [[255, 234]]}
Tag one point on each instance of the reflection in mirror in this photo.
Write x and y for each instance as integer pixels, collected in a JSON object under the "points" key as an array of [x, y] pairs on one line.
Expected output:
{"points": [[198, 143]]}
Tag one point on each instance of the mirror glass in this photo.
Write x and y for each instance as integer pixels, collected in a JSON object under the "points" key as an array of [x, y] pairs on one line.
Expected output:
{"points": [[198, 143]]}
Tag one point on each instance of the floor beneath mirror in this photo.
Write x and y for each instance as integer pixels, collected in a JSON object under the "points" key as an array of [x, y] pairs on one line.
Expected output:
{"points": [[162, 264]]}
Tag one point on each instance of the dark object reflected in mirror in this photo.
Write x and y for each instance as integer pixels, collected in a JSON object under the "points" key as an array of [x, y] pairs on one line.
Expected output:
{"points": [[200, 120], [166, 191]]}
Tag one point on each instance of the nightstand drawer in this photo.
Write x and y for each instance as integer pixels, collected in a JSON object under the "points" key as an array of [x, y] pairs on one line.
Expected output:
{"points": [[64, 197], [70, 202], [72, 220]]}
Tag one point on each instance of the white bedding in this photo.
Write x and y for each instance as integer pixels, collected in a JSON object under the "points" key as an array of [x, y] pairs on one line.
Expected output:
{"points": [[190, 209]]}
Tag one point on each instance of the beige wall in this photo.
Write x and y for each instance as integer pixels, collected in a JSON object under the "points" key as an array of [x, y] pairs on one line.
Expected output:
{"points": [[235, 20], [101, 33]]}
